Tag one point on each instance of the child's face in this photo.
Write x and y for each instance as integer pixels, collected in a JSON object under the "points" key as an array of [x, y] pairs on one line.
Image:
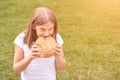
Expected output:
{"points": [[45, 30]]}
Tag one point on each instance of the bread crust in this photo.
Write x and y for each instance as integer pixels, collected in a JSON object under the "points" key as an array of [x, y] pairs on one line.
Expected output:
{"points": [[46, 46]]}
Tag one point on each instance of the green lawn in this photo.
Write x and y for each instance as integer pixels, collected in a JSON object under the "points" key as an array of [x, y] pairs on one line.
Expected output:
{"points": [[90, 29]]}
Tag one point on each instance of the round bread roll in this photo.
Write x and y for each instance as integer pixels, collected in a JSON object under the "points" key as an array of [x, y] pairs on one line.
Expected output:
{"points": [[46, 46]]}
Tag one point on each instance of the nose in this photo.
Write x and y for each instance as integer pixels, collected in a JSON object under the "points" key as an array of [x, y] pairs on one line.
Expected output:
{"points": [[46, 34]]}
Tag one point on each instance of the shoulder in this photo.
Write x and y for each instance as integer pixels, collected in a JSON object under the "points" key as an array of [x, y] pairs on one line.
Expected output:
{"points": [[19, 39], [21, 35], [59, 39]]}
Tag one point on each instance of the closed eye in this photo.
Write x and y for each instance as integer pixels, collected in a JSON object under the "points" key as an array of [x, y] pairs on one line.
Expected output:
{"points": [[42, 29]]}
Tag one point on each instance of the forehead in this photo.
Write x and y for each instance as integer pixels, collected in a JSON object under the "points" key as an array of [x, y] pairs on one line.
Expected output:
{"points": [[47, 25]]}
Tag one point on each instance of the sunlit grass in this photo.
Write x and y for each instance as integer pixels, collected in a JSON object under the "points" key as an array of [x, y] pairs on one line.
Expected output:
{"points": [[90, 29]]}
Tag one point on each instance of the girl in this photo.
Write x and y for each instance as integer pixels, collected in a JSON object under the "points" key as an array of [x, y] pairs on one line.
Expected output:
{"points": [[27, 60]]}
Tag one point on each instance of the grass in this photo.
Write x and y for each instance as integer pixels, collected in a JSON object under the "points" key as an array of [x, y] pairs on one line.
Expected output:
{"points": [[90, 29]]}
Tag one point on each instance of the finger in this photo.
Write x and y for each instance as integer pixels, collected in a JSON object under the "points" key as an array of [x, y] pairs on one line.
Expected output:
{"points": [[35, 49], [37, 55], [34, 46], [58, 49]]}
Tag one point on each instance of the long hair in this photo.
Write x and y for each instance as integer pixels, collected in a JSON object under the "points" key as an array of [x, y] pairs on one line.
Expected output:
{"points": [[41, 15]]}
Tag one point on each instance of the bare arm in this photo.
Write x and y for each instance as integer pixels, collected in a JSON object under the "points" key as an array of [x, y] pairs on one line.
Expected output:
{"points": [[20, 63], [60, 59]]}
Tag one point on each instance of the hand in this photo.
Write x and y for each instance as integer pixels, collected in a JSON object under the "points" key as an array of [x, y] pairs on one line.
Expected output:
{"points": [[59, 58], [36, 52], [58, 50]]}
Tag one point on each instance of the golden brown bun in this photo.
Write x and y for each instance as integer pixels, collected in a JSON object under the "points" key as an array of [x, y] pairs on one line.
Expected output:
{"points": [[46, 46]]}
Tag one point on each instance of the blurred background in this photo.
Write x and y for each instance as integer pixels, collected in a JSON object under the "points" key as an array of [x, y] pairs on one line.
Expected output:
{"points": [[90, 30]]}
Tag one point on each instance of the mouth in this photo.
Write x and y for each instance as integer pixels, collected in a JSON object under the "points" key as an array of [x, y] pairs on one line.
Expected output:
{"points": [[46, 36]]}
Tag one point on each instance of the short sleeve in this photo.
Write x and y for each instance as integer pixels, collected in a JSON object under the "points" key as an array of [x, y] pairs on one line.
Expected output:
{"points": [[19, 40], [59, 40]]}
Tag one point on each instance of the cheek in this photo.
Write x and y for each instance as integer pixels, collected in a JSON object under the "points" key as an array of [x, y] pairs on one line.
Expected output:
{"points": [[39, 33], [51, 32]]}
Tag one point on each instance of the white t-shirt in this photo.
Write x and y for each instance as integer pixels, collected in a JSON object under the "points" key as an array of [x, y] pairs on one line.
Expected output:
{"points": [[39, 68]]}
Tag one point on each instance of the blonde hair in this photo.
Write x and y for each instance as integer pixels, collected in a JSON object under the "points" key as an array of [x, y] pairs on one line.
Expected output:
{"points": [[41, 15]]}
